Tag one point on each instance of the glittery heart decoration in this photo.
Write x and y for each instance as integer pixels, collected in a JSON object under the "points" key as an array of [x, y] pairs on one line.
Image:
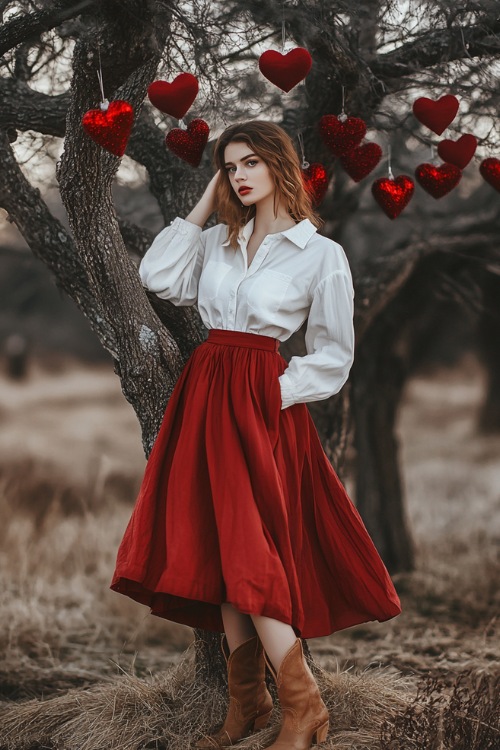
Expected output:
{"points": [[341, 135], [436, 115], [458, 152], [438, 181], [285, 71], [189, 144], [393, 195], [315, 181], [490, 170], [110, 127], [361, 160], [174, 98]]}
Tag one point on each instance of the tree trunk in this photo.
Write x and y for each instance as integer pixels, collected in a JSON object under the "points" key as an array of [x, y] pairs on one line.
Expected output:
{"points": [[391, 348], [378, 378], [489, 352]]}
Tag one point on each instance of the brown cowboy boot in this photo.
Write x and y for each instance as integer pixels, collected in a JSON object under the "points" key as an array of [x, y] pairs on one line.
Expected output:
{"points": [[305, 716], [250, 702]]}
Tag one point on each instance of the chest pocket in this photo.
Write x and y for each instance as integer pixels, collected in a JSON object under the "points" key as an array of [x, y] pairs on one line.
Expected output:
{"points": [[267, 290], [211, 279]]}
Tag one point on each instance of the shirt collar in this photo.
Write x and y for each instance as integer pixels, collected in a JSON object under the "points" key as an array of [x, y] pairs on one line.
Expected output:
{"points": [[300, 234]]}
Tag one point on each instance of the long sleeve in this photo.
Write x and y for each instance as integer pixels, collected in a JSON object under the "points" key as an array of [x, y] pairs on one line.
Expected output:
{"points": [[329, 343], [171, 267]]}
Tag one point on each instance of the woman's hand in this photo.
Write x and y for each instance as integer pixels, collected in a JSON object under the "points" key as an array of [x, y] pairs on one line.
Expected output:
{"points": [[206, 205], [210, 190], [214, 179]]}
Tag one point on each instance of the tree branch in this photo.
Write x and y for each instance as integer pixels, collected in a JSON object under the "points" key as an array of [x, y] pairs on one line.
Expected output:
{"points": [[441, 45], [28, 26], [381, 279], [23, 108], [171, 183], [47, 238]]}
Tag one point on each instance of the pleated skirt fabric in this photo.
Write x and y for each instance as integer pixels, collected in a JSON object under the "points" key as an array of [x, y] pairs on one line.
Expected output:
{"points": [[239, 503]]}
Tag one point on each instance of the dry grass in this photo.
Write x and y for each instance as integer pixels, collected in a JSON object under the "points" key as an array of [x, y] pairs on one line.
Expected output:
{"points": [[87, 669], [468, 717], [170, 711], [61, 624]]}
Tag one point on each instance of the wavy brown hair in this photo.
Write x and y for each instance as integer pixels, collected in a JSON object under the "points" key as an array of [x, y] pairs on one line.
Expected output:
{"points": [[275, 148]]}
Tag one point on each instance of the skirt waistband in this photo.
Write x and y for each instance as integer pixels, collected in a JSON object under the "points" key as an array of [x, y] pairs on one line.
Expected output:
{"points": [[242, 338]]}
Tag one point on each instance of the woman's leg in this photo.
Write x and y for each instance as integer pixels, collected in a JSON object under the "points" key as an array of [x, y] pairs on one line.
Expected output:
{"points": [[237, 626], [250, 704], [305, 717], [277, 637]]}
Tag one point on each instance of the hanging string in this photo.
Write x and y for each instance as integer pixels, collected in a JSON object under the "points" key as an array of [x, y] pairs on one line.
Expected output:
{"points": [[104, 103], [389, 167], [283, 31], [432, 152], [305, 163], [343, 117]]}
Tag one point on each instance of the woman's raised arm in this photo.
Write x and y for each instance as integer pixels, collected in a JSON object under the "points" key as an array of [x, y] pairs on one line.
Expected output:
{"points": [[206, 205]]}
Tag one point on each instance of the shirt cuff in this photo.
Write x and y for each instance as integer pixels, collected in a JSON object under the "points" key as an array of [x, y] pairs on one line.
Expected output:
{"points": [[185, 227], [287, 393]]}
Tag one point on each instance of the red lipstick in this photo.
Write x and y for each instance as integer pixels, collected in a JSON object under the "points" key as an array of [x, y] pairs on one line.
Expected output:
{"points": [[244, 190]]}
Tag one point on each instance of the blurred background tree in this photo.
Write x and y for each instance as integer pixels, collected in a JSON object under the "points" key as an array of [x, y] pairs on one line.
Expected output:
{"points": [[426, 284]]}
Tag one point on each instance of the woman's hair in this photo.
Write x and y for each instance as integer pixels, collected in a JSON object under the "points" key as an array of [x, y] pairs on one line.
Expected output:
{"points": [[275, 148]]}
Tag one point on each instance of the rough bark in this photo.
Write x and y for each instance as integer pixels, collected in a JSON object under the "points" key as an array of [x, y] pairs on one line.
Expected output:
{"points": [[147, 357], [28, 26], [23, 108]]}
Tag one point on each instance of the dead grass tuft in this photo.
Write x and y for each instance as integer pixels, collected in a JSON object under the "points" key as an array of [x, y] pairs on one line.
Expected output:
{"points": [[171, 710]]}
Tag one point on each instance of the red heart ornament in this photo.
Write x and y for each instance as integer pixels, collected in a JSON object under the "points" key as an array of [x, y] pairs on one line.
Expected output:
{"points": [[438, 181], [490, 170], [285, 71], [110, 128], [341, 137], [436, 115], [458, 152], [174, 98], [189, 144], [361, 160], [393, 195], [315, 181]]}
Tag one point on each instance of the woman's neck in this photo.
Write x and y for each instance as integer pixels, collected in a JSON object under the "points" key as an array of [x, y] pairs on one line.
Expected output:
{"points": [[267, 223]]}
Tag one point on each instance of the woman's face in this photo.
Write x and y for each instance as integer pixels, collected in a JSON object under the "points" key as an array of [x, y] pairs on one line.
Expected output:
{"points": [[248, 173]]}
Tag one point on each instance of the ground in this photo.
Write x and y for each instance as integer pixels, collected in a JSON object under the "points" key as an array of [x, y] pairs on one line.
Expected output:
{"points": [[71, 462]]}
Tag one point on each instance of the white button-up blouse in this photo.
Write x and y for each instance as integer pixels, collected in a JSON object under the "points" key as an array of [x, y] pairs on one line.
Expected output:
{"points": [[295, 274]]}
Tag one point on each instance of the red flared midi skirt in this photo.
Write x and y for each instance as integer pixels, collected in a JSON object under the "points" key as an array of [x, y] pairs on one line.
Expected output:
{"points": [[239, 503]]}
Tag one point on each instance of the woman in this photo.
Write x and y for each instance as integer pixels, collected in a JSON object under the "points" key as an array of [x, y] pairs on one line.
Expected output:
{"points": [[242, 525]]}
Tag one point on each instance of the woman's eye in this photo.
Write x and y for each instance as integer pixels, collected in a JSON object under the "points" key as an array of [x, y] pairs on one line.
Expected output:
{"points": [[248, 163]]}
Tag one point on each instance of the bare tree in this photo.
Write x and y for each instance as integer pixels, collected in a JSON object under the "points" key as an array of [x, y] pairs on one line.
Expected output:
{"points": [[383, 56]]}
